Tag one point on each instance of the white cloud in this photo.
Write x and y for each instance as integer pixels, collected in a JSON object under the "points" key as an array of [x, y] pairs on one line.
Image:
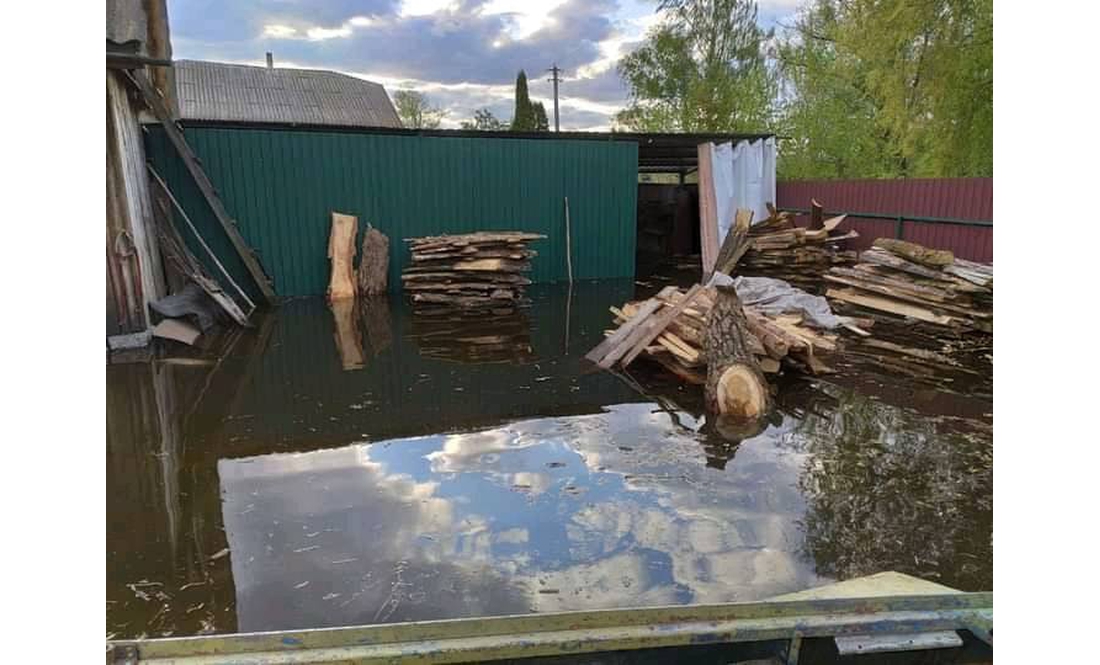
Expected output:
{"points": [[424, 7], [279, 31], [318, 34], [526, 18]]}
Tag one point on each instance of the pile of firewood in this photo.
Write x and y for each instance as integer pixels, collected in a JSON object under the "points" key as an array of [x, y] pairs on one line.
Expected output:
{"points": [[777, 248], [909, 282], [482, 271], [670, 329]]}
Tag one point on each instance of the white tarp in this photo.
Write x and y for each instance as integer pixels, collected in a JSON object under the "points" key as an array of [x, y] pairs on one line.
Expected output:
{"points": [[744, 177], [774, 296]]}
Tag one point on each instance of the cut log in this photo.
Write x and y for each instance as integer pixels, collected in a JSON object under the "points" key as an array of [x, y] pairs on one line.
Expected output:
{"points": [[736, 387], [341, 251], [374, 262]]}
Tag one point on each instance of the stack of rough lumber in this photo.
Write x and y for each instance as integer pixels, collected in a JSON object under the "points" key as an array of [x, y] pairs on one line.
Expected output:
{"points": [[904, 279], [777, 248], [670, 328], [468, 336], [483, 270]]}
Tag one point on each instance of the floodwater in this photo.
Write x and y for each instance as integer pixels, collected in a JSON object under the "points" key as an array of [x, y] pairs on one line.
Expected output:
{"points": [[364, 465]]}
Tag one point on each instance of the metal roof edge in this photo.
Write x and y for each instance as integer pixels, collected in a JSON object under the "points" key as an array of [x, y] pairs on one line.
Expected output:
{"points": [[634, 137]]}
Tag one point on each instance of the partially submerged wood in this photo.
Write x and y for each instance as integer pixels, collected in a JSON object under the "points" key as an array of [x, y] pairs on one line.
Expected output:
{"points": [[374, 262], [907, 280], [888, 305], [349, 340], [177, 330], [776, 341], [736, 387], [341, 251], [661, 322], [471, 337], [473, 270]]}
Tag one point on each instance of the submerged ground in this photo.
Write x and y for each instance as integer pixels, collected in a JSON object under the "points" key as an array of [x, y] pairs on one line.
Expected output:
{"points": [[279, 481]]}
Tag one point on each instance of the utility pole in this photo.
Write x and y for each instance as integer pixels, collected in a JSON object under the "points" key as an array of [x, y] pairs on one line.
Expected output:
{"points": [[556, 78]]}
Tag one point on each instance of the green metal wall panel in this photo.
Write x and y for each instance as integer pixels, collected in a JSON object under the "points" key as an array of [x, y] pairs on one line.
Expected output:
{"points": [[282, 184]]}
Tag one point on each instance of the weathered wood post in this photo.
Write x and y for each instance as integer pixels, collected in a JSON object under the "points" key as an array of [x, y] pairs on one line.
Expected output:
{"points": [[736, 390]]}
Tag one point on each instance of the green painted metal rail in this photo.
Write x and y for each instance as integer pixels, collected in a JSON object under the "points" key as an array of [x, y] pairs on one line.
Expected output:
{"points": [[899, 219], [529, 636]]}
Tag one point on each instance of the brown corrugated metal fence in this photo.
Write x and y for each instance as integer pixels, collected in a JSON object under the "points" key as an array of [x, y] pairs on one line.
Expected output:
{"points": [[958, 198]]}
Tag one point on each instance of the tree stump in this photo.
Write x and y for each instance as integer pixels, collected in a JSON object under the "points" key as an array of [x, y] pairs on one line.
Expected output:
{"points": [[735, 388]]}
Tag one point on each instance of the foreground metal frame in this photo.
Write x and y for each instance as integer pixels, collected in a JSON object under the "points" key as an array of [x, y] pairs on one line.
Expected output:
{"points": [[487, 639]]}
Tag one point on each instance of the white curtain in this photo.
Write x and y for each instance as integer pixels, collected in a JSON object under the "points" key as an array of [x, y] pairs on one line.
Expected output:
{"points": [[744, 177]]}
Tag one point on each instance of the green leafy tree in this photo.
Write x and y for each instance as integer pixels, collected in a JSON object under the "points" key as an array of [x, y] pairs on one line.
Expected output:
{"points": [[484, 120], [914, 101], [542, 124], [523, 120], [415, 111], [702, 69]]}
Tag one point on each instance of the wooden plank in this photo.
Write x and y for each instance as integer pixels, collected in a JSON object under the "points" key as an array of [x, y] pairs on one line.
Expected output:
{"points": [[833, 222], [923, 354], [156, 103], [903, 295], [341, 251], [939, 292], [627, 342], [660, 323], [601, 350], [178, 330], [708, 211], [892, 306]]}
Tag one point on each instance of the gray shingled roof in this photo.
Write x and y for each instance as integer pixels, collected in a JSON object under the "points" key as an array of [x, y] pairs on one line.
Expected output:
{"points": [[220, 91]]}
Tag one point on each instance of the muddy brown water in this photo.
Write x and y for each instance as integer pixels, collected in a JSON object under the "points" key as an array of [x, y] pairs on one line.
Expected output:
{"points": [[422, 471]]}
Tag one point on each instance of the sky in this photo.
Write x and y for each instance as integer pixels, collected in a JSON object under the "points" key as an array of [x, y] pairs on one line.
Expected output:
{"points": [[462, 54]]}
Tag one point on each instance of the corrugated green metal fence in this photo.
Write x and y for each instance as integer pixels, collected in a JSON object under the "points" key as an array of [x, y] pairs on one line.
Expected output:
{"points": [[282, 184]]}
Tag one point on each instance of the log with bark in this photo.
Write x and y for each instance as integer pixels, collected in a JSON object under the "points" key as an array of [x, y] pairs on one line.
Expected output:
{"points": [[670, 329], [735, 387], [374, 262]]}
